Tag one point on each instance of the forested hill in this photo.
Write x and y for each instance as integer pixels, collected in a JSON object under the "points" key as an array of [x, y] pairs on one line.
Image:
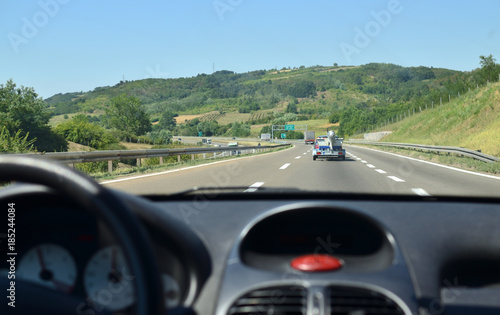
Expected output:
{"points": [[359, 96]]}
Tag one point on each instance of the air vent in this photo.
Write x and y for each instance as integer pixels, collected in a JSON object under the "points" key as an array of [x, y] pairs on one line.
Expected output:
{"points": [[289, 300], [346, 301]]}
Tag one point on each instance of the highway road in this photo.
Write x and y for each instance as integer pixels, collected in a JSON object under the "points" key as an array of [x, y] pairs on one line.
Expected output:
{"points": [[364, 171]]}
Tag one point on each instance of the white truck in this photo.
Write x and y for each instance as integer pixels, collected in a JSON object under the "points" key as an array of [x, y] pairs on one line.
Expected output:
{"points": [[328, 147], [309, 137], [265, 137]]}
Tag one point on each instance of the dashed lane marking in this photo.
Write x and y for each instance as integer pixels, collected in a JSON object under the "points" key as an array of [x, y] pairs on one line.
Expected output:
{"points": [[285, 166], [420, 192], [254, 187], [381, 171], [396, 179]]}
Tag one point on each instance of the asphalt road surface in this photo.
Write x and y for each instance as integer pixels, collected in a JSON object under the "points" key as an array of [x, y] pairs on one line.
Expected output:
{"points": [[364, 171]]}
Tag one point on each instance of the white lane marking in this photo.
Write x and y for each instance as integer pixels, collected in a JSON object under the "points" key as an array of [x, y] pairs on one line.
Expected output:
{"points": [[298, 157], [435, 164], [381, 171], [254, 187], [304, 153], [420, 192], [359, 159], [396, 179], [285, 166], [364, 161], [370, 165]]}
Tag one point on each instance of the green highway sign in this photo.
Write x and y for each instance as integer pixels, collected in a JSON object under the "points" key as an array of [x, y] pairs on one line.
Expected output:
{"points": [[283, 136], [289, 127], [200, 133]]}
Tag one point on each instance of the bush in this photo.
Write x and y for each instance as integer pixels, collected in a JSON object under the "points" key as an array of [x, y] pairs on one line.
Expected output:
{"points": [[94, 167]]}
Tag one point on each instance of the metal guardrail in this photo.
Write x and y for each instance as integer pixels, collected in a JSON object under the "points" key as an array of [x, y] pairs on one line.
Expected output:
{"points": [[112, 155], [433, 148]]}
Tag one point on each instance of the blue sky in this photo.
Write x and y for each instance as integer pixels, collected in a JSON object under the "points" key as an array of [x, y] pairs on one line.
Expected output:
{"points": [[58, 46]]}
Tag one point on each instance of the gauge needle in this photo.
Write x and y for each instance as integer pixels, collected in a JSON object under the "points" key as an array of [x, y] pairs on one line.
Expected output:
{"points": [[40, 258], [113, 260], [114, 275], [46, 274]]}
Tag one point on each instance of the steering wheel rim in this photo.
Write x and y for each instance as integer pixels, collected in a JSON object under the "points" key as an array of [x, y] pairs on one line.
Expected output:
{"points": [[100, 202]]}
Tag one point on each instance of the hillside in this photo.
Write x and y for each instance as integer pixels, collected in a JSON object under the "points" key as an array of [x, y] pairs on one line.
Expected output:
{"points": [[471, 121], [376, 90]]}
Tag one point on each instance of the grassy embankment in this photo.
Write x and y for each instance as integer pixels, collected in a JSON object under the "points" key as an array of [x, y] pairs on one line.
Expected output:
{"points": [[471, 121]]}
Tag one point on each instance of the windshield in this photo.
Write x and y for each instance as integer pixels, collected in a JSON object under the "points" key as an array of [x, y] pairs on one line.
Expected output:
{"points": [[405, 95]]}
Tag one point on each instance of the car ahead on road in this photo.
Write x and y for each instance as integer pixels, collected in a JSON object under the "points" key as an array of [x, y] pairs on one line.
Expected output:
{"points": [[322, 150]]}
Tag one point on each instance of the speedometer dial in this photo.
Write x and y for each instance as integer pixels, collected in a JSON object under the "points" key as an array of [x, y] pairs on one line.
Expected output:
{"points": [[50, 265], [108, 281]]}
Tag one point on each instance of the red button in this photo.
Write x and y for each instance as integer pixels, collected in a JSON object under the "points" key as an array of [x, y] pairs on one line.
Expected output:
{"points": [[316, 262]]}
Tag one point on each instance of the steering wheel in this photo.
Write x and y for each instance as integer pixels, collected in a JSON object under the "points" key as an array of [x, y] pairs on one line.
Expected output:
{"points": [[101, 203]]}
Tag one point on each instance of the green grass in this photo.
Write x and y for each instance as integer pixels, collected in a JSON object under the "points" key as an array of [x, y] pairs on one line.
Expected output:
{"points": [[57, 119], [472, 121]]}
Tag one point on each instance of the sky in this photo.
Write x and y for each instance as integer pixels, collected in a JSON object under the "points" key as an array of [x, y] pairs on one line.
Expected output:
{"points": [[60, 46]]}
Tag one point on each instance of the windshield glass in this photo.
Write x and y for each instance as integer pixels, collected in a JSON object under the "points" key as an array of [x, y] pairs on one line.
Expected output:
{"points": [[404, 94]]}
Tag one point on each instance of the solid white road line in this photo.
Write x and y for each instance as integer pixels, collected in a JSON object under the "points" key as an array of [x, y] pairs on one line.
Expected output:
{"points": [[370, 165], [381, 171], [436, 164], [396, 179], [254, 187], [420, 192], [285, 166]]}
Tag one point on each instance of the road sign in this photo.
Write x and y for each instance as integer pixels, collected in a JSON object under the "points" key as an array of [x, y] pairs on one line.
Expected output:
{"points": [[200, 133], [283, 136], [289, 127]]}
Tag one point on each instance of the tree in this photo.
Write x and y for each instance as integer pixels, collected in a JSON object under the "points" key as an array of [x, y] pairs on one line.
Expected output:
{"points": [[22, 110], [80, 130], [167, 120], [334, 118], [15, 143], [489, 69], [266, 129], [125, 114], [162, 136], [291, 108]]}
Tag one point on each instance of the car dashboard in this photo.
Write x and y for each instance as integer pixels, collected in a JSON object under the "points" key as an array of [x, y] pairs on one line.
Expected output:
{"points": [[232, 253]]}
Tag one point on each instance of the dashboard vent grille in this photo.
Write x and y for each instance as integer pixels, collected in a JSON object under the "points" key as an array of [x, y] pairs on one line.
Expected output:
{"points": [[283, 300], [345, 301]]}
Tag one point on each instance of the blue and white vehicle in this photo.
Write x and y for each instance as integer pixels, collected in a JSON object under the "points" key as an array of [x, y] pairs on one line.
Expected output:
{"points": [[328, 147]]}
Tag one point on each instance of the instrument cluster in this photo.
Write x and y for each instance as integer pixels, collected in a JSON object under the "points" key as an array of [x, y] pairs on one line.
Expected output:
{"points": [[71, 252]]}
